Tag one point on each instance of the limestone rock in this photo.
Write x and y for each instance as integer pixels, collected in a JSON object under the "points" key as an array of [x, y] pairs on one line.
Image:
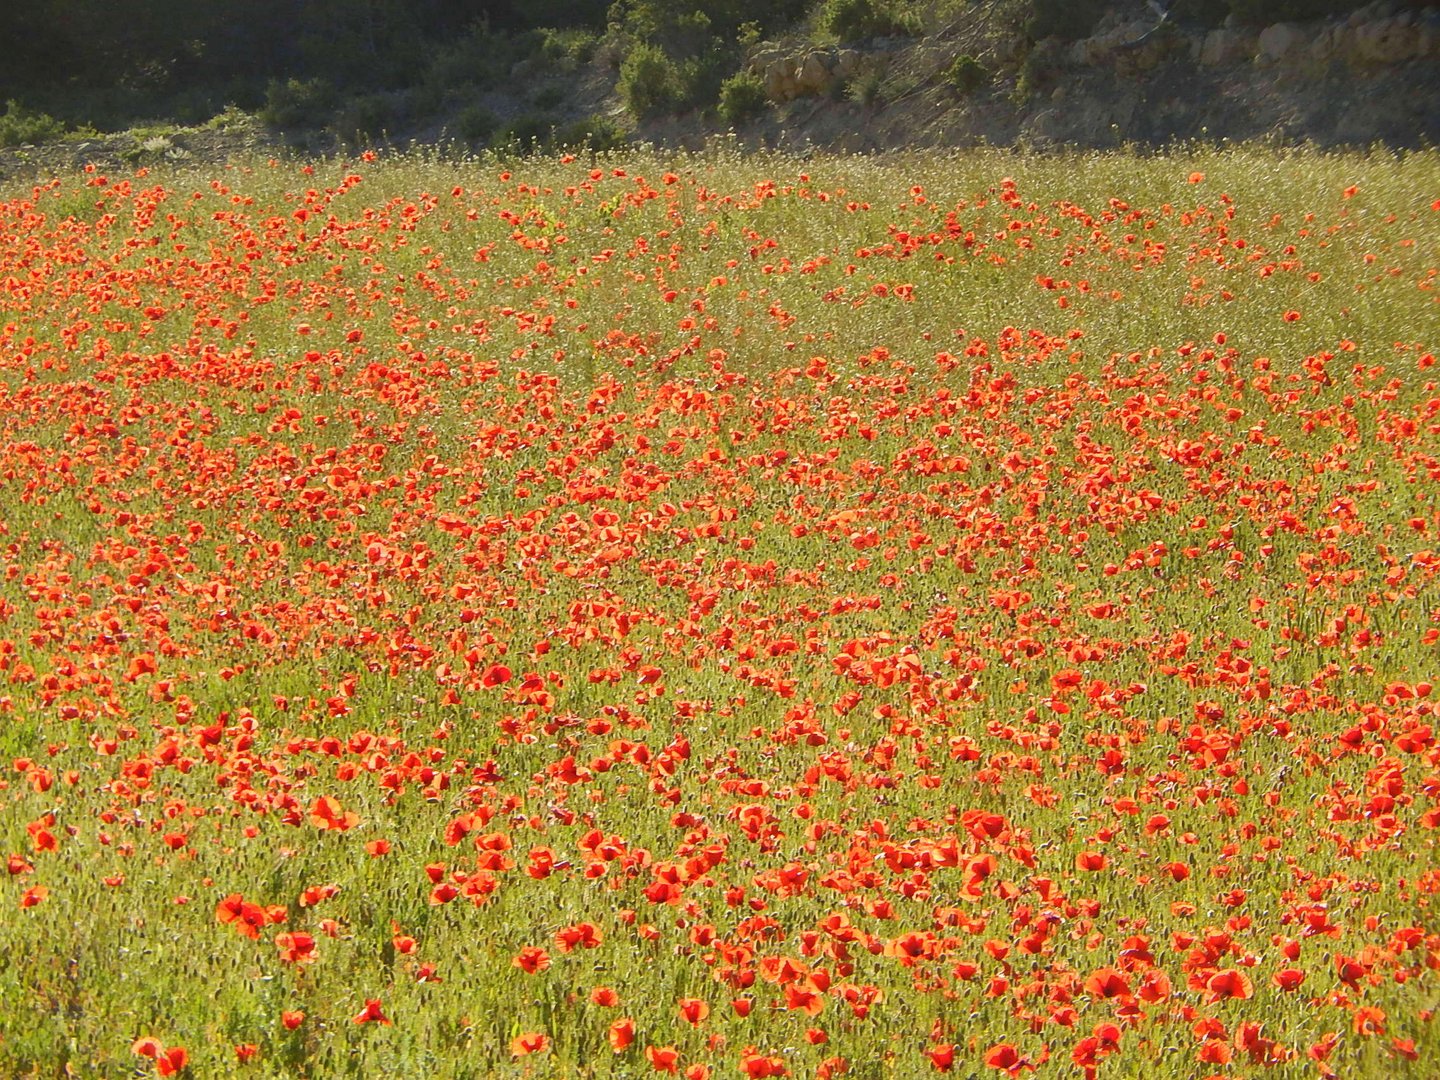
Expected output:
{"points": [[1226, 46], [1279, 42], [814, 75], [1385, 41]]}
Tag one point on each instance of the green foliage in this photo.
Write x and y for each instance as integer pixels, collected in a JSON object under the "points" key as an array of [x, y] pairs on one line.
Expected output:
{"points": [[1264, 12], [865, 88], [858, 20], [966, 74], [725, 17], [366, 118], [701, 78], [650, 82], [549, 97], [596, 133], [475, 123], [1065, 19], [298, 103], [19, 125], [480, 58], [1206, 422], [568, 48], [528, 131], [742, 97]]}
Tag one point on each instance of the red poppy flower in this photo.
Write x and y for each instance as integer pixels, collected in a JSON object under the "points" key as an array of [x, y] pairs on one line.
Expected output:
{"points": [[1107, 983], [693, 1010], [621, 1034], [605, 997], [530, 1042], [665, 1059], [34, 895], [1230, 983], [757, 1066], [171, 1060], [296, 948], [373, 1012], [942, 1057], [532, 959], [1289, 978], [1005, 1057]]}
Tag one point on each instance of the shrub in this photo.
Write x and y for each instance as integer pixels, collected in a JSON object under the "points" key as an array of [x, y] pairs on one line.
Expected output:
{"points": [[742, 96], [866, 87], [549, 97], [481, 58], [570, 47], [1066, 19], [590, 133], [1264, 12], [19, 125], [726, 18], [476, 123], [650, 83], [526, 132], [297, 103], [701, 78], [967, 74], [856, 20], [365, 118]]}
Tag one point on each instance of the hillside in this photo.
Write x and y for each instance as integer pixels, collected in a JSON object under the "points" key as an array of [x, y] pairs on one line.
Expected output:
{"points": [[1355, 79]]}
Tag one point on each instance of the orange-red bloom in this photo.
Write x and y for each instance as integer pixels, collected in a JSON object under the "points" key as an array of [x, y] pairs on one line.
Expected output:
{"points": [[373, 1012], [1230, 983], [530, 1042], [621, 1034]]}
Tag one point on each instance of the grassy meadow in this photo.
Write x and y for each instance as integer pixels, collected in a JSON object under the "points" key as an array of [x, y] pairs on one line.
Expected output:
{"points": [[722, 615]]}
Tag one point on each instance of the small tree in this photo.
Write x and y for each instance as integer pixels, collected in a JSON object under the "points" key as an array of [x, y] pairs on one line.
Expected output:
{"points": [[650, 82], [742, 96]]}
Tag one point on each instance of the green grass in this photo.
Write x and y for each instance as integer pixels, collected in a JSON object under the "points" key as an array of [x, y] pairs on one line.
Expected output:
{"points": [[863, 424]]}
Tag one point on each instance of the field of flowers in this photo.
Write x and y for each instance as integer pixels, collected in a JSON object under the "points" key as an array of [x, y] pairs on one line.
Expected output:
{"points": [[722, 616]]}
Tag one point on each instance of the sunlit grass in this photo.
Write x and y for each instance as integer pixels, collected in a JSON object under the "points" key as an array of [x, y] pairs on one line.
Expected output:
{"points": [[742, 531]]}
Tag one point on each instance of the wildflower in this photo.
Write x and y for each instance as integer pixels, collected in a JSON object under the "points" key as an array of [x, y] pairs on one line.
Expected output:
{"points": [[373, 1012], [621, 1034], [1230, 983], [530, 1042], [605, 997], [665, 1059], [532, 960], [693, 1010]]}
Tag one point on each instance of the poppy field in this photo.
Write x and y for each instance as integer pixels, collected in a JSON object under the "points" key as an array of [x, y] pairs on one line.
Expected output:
{"points": [[722, 616]]}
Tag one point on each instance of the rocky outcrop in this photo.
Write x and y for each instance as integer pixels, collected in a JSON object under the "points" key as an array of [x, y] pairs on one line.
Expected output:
{"points": [[1381, 34], [814, 73], [1378, 35]]}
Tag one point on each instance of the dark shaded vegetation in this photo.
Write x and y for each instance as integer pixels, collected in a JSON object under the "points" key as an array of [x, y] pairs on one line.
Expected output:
{"points": [[362, 68]]}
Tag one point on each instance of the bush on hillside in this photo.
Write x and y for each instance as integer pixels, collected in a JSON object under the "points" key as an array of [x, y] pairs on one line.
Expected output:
{"points": [[650, 82], [475, 123], [858, 20], [1065, 19], [1265, 12], [967, 74], [298, 103], [19, 126], [742, 97]]}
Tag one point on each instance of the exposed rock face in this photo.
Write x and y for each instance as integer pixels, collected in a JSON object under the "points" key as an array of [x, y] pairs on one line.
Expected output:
{"points": [[813, 73], [1369, 77], [1378, 35], [1280, 41], [1226, 46]]}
